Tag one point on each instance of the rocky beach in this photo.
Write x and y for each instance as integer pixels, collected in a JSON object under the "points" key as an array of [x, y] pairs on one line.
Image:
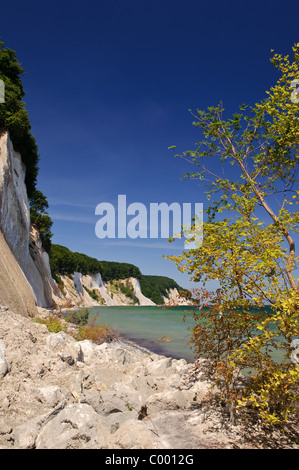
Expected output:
{"points": [[59, 393]]}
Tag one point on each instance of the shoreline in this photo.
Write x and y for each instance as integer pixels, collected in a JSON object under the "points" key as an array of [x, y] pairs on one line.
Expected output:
{"points": [[150, 342], [115, 395], [142, 344], [136, 344]]}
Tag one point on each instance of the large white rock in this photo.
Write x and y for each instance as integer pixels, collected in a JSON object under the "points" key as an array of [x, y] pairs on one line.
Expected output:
{"points": [[78, 426], [160, 366], [134, 434], [51, 395], [3, 363], [171, 400]]}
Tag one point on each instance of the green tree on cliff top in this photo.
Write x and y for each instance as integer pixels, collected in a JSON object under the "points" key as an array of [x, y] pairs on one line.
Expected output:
{"points": [[14, 119]]}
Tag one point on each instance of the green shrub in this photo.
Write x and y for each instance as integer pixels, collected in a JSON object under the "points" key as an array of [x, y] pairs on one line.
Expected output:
{"points": [[53, 324], [128, 291], [96, 333], [40, 218], [15, 120], [78, 317], [92, 294]]}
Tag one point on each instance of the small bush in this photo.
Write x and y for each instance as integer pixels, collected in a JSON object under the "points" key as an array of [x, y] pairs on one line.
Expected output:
{"points": [[96, 333], [53, 324], [79, 317]]}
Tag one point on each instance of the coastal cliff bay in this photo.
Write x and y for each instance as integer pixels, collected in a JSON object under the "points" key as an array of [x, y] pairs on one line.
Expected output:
{"points": [[58, 276], [60, 392]]}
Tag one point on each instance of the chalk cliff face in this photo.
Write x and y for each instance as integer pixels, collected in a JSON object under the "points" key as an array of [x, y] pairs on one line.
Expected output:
{"points": [[15, 291], [22, 240], [174, 298], [14, 207], [137, 291], [38, 271], [91, 291]]}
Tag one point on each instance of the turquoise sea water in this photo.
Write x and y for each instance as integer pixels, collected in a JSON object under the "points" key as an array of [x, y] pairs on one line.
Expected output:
{"points": [[145, 325]]}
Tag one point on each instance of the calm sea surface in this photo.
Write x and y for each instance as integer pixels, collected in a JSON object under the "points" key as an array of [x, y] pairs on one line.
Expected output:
{"points": [[145, 325]]}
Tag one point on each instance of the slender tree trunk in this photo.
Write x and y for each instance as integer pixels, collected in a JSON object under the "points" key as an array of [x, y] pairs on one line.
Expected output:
{"points": [[291, 256]]}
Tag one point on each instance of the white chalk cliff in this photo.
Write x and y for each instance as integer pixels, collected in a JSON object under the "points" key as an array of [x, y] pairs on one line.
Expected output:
{"points": [[90, 291], [174, 298], [21, 239]]}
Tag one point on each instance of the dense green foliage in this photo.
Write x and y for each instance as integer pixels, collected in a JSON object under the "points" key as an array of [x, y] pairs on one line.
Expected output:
{"points": [[40, 218], [78, 317], [154, 287], [113, 270], [15, 120], [63, 261], [14, 117]]}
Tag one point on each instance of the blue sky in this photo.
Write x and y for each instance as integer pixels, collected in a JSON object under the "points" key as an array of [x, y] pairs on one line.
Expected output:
{"points": [[108, 87]]}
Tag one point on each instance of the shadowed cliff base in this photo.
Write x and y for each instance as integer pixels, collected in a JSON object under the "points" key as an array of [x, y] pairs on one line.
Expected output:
{"points": [[15, 291]]}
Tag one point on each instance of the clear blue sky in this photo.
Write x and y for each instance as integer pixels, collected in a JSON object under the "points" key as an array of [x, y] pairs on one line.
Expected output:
{"points": [[108, 86]]}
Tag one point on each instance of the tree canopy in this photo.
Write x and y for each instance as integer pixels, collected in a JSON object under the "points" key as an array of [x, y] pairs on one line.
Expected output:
{"points": [[15, 120], [14, 117], [64, 261], [157, 287]]}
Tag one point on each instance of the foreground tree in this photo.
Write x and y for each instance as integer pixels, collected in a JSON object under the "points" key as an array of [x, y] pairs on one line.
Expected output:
{"points": [[251, 323]]}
